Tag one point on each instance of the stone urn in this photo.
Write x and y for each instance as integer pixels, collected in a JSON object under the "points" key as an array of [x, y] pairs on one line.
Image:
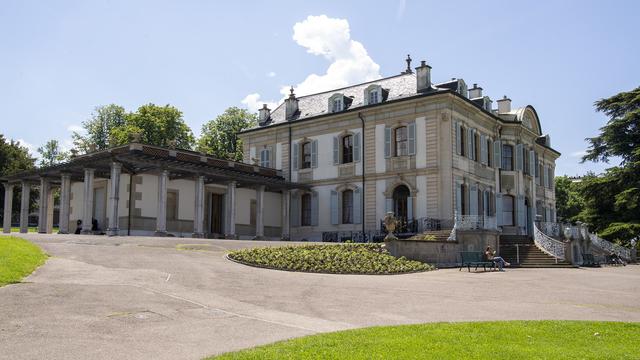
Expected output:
{"points": [[390, 223]]}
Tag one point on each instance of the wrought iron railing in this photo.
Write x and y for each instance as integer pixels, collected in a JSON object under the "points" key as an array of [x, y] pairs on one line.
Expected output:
{"points": [[548, 245], [353, 236], [552, 229], [476, 222], [610, 247]]}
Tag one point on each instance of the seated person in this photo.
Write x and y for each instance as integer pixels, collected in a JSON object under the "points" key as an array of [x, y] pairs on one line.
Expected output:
{"points": [[490, 254], [78, 227]]}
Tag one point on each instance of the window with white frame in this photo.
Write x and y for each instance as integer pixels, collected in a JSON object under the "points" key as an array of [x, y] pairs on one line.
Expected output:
{"points": [[265, 158], [347, 207], [305, 155], [400, 136], [347, 149]]}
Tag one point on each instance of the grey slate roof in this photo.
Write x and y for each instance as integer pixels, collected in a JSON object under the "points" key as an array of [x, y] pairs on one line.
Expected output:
{"points": [[398, 86]]}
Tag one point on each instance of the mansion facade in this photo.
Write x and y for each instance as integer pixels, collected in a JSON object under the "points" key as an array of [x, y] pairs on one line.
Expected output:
{"points": [[437, 155]]}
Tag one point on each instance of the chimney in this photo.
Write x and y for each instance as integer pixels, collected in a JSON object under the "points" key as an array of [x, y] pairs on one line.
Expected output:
{"points": [[504, 105], [475, 92], [423, 77], [291, 106], [263, 114]]}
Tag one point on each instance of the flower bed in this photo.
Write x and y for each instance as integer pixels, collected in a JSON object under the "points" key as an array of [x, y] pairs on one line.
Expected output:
{"points": [[333, 259]]}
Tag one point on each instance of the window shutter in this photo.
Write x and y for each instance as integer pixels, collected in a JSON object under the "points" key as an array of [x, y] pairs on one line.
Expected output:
{"points": [[497, 154], [499, 214], [522, 216], [551, 177], [356, 147], [295, 209], [546, 176], [314, 153], [357, 206], [552, 215], [483, 149], [295, 147], [473, 197], [474, 146], [458, 145], [314, 208], [532, 162], [387, 142], [519, 157], [336, 151], [410, 208], [459, 198], [388, 205], [470, 143], [411, 138], [334, 207]]}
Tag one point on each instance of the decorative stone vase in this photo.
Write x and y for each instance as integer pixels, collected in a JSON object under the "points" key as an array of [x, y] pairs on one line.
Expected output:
{"points": [[390, 223]]}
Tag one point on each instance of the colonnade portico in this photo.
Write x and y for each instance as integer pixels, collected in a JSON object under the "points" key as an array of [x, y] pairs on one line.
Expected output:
{"points": [[171, 166]]}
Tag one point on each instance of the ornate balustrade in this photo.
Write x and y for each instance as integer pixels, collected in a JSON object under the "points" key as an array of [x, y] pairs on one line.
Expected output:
{"points": [[476, 222], [548, 245], [610, 247], [552, 229]]}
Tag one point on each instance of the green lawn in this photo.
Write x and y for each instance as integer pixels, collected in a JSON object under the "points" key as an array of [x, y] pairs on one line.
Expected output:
{"points": [[333, 259], [479, 340], [32, 229], [18, 258]]}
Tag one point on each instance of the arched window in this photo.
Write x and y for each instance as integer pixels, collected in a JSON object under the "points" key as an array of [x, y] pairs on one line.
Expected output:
{"points": [[400, 202], [507, 210], [347, 149], [347, 207], [400, 136], [305, 157], [507, 157], [305, 210]]}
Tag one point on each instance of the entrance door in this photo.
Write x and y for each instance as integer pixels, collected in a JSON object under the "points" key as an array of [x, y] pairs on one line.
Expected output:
{"points": [[400, 196], [100, 207], [217, 214]]}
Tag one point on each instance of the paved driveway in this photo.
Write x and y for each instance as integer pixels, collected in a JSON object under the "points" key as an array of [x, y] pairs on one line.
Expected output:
{"points": [[141, 298]]}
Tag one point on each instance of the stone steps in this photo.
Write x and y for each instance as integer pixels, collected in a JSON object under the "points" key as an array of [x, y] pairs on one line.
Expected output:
{"points": [[521, 251]]}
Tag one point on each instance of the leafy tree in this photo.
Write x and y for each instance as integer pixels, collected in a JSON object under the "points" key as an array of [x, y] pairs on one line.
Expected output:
{"points": [[220, 136], [155, 125], [51, 153], [15, 158], [612, 200], [569, 203], [99, 127]]}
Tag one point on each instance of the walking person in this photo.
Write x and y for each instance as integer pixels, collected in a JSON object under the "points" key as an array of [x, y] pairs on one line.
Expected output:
{"points": [[498, 260]]}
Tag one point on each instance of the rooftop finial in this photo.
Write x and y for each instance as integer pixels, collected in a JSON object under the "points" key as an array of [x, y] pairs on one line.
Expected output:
{"points": [[291, 92], [408, 60]]}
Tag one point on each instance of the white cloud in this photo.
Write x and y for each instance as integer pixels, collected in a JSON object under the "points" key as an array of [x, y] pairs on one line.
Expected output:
{"points": [[75, 128], [253, 102], [271, 74], [33, 150], [330, 38], [580, 153], [402, 5]]}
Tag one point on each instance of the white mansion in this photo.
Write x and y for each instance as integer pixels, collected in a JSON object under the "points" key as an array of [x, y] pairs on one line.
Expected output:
{"points": [[320, 165]]}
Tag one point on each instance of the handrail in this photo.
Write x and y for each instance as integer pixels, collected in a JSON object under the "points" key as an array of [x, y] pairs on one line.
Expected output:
{"points": [[548, 245], [610, 247]]}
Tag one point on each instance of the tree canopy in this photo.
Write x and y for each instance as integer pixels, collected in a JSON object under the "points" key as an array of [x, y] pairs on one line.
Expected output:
{"points": [[14, 157], [220, 136], [51, 154], [99, 127]]}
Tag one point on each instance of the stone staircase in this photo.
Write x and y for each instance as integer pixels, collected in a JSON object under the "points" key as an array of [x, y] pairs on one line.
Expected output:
{"points": [[521, 251]]}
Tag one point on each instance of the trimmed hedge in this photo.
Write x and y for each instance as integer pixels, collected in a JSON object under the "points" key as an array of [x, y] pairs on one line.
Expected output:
{"points": [[332, 259]]}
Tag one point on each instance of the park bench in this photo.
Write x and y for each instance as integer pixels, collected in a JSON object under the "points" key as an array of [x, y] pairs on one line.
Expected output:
{"points": [[589, 260], [475, 258]]}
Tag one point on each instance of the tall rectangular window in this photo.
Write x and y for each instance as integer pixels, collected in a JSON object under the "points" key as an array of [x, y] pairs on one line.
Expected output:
{"points": [[347, 207], [507, 210], [172, 205], [373, 97], [347, 149], [337, 105], [507, 157], [306, 155], [401, 141], [305, 210]]}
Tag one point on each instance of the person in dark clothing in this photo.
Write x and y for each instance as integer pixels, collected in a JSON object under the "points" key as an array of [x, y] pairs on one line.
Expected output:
{"points": [[94, 225], [78, 227]]}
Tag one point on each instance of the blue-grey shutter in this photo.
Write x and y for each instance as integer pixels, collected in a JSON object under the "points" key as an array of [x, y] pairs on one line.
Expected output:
{"points": [[411, 138], [295, 210], [522, 216], [499, 214], [387, 142], [314, 208], [459, 198], [334, 207], [356, 147], [552, 215], [519, 157], [532, 162], [486, 203], [336, 151], [388, 205], [470, 143], [546, 176], [357, 206], [458, 144], [474, 147], [314, 153], [483, 149], [497, 154], [295, 155], [410, 208], [473, 200]]}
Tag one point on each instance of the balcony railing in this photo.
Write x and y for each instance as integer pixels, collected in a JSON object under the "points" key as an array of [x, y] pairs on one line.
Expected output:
{"points": [[476, 222]]}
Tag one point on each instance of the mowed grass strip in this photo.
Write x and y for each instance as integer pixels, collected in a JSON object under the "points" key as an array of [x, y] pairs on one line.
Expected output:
{"points": [[18, 258], [333, 259], [472, 340]]}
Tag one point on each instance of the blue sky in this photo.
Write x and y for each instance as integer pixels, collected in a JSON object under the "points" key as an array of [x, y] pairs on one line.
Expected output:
{"points": [[60, 59]]}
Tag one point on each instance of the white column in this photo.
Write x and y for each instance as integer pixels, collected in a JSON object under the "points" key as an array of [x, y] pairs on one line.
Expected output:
{"points": [[230, 211], [259, 212], [87, 211], [285, 214], [198, 214], [65, 197], [161, 220], [114, 222], [43, 205], [24, 207], [8, 202]]}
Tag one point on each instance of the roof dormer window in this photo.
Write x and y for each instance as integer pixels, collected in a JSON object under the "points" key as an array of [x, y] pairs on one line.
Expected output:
{"points": [[338, 102], [373, 94], [462, 88], [336, 105]]}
